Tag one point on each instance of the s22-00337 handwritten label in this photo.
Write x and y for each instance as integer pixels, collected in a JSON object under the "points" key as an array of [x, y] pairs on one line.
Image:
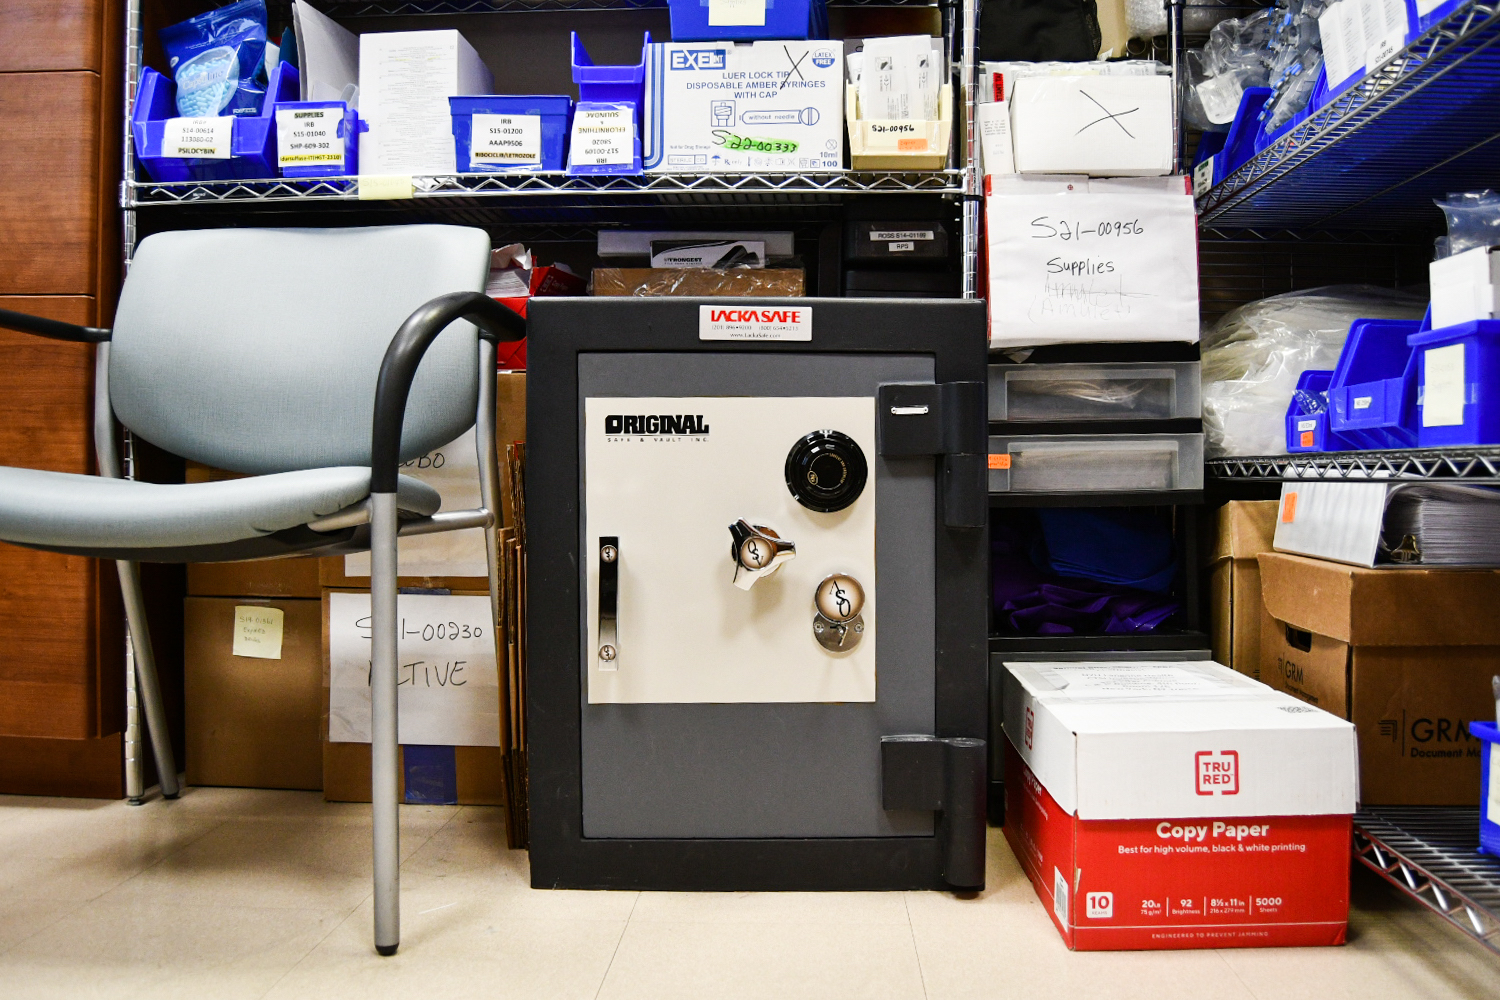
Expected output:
{"points": [[1072, 259]]}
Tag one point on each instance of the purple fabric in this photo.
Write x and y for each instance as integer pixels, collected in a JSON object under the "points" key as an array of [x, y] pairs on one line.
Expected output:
{"points": [[1030, 602]]}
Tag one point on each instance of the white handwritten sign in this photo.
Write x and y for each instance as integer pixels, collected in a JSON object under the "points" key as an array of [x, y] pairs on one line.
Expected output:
{"points": [[1075, 260], [447, 683]]}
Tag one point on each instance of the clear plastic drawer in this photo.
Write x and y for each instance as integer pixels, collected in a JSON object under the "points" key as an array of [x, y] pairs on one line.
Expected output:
{"points": [[1090, 463], [1119, 391]]}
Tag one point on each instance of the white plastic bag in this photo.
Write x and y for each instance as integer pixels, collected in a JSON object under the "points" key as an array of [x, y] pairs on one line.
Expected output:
{"points": [[1253, 356]]}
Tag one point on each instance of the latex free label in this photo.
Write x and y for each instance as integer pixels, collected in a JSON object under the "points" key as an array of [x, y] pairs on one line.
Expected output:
{"points": [[258, 631], [199, 138], [506, 139], [754, 322], [602, 137], [732, 13], [309, 137]]}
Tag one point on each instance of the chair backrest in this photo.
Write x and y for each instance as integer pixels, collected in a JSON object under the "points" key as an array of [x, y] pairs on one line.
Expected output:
{"points": [[258, 350]]}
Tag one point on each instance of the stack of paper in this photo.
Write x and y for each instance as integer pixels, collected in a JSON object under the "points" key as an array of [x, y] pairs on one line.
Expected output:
{"points": [[900, 78], [1442, 524]]}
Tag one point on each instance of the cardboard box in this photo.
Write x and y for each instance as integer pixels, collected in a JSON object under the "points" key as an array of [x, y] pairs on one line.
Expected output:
{"points": [[1103, 126], [766, 106], [252, 721], [405, 80], [1405, 654], [428, 775], [770, 281], [1154, 806], [1243, 530]]}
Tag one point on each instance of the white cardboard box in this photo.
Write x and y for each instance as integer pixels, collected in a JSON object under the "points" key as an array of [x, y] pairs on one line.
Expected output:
{"points": [[1103, 126], [405, 80], [765, 106], [1177, 805], [1465, 287], [1080, 260]]}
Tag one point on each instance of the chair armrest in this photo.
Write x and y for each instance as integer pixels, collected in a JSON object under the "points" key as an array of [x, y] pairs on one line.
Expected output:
{"points": [[496, 323], [55, 329]]}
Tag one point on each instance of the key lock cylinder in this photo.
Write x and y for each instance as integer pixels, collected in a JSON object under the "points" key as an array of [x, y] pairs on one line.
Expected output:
{"points": [[825, 472]]}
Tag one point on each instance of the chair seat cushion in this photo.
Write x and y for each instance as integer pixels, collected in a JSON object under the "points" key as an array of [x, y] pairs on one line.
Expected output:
{"points": [[60, 509]]}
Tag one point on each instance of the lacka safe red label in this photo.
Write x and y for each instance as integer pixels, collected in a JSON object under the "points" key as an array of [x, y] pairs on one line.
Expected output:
{"points": [[1223, 882]]}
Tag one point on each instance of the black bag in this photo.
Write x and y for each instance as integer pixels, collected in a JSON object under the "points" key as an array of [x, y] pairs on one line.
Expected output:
{"points": [[1039, 30]]}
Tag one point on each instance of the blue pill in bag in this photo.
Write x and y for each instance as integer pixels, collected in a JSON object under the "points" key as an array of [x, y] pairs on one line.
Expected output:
{"points": [[217, 60]]}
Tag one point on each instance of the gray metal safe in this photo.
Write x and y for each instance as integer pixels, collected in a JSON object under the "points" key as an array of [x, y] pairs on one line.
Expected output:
{"points": [[757, 593]]}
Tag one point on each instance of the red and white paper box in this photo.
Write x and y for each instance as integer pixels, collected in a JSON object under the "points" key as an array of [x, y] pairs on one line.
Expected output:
{"points": [[1178, 805]]}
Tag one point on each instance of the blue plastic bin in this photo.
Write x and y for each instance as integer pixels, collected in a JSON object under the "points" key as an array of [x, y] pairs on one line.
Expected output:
{"points": [[1466, 384], [1309, 431], [555, 111], [1315, 101], [1489, 801], [797, 19], [252, 144], [609, 84], [1372, 399], [350, 126]]}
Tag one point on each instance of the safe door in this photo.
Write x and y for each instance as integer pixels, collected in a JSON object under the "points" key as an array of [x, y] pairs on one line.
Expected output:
{"points": [[759, 603]]}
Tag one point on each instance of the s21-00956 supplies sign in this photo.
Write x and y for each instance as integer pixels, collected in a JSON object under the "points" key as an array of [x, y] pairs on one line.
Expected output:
{"points": [[1074, 259]]}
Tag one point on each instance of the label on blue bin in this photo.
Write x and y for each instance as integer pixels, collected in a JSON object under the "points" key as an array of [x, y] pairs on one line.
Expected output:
{"points": [[514, 140], [734, 13], [603, 136], [198, 138], [309, 137], [1443, 387], [1492, 794]]}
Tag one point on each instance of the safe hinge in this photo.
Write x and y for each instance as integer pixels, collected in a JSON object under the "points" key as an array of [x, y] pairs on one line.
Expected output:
{"points": [[945, 775], [948, 419]]}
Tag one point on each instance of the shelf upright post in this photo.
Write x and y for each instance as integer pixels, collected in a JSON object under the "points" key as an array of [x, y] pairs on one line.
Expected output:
{"points": [[973, 182], [134, 777], [1179, 67]]}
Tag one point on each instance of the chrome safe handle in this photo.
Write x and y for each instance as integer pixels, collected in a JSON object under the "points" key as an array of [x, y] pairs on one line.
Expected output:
{"points": [[609, 596]]}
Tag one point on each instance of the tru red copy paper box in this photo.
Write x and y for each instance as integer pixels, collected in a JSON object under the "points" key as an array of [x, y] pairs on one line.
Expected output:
{"points": [[1177, 805]]}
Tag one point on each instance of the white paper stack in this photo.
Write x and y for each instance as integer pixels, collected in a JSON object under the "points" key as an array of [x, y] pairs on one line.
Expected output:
{"points": [[405, 80], [900, 78], [1448, 525]]}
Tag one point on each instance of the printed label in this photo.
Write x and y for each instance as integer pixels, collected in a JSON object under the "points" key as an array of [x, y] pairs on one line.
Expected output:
{"points": [[385, 187], [734, 13], [754, 323], [507, 139], [1100, 905], [1307, 425], [887, 235], [1060, 896], [199, 138], [1363, 402], [309, 137], [1492, 800], [602, 137], [1443, 387], [900, 246]]}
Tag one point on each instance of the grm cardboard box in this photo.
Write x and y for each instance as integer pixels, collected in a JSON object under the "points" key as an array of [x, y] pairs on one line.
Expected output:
{"points": [[253, 721], [1152, 806], [1405, 654], [1244, 529]]}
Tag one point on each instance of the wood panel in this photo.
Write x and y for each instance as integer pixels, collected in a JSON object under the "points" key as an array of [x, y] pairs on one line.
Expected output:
{"points": [[49, 179], [51, 35], [47, 389], [92, 769]]}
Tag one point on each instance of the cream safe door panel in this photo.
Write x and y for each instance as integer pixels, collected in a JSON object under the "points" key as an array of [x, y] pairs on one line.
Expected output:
{"points": [[684, 632]]}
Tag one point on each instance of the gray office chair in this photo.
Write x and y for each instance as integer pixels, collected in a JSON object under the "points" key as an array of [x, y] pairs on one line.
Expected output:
{"points": [[317, 360]]}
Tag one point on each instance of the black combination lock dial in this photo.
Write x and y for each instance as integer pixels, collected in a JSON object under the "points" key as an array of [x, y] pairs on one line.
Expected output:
{"points": [[826, 471]]}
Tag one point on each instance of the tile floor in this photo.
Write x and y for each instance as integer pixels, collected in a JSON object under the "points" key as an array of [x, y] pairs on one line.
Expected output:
{"points": [[237, 893]]}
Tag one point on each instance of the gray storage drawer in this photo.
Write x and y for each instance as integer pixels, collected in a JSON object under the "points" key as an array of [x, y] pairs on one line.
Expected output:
{"points": [[1095, 463], [1079, 392]]}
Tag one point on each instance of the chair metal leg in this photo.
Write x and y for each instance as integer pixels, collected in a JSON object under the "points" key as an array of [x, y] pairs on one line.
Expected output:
{"points": [[384, 751], [145, 672], [135, 779]]}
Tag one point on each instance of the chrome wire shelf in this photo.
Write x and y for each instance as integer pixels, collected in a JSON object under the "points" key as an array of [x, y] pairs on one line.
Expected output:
{"points": [[401, 8], [676, 188], [1431, 854], [1423, 124], [1478, 464]]}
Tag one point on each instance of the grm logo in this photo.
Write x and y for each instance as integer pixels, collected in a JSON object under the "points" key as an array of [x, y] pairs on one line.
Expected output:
{"points": [[697, 59], [1218, 772]]}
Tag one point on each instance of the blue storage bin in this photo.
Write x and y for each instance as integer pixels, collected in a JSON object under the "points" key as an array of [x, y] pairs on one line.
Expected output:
{"points": [[1372, 399], [350, 126], [1316, 100], [252, 143], [1309, 431], [609, 84], [1489, 808], [554, 110], [797, 19], [1464, 381]]}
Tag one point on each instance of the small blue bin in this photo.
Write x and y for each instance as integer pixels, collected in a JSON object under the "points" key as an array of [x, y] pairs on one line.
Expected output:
{"points": [[609, 84], [1315, 101], [350, 126], [1306, 431], [252, 144], [795, 19], [554, 110], [1372, 399], [1489, 795], [1458, 391]]}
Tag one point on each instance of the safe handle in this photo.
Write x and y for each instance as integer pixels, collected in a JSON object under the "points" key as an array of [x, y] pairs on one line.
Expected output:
{"points": [[609, 596]]}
